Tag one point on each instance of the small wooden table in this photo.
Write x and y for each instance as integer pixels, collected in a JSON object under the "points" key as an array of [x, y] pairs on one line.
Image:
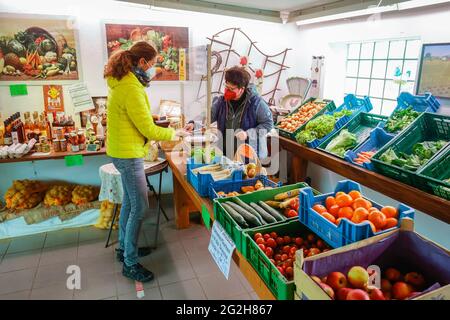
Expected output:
{"points": [[187, 200]]}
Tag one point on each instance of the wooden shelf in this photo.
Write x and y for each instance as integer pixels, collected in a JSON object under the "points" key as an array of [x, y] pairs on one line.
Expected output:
{"points": [[432, 205], [54, 155], [187, 200]]}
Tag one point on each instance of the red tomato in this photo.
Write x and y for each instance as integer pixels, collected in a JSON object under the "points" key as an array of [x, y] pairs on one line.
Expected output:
{"points": [[277, 257], [257, 235], [311, 237], [273, 235], [284, 257], [269, 252], [286, 249], [273, 261], [289, 271], [260, 241], [298, 241], [262, 247], [281, 270], [287, 239], [293, 250], [271, 243], [266, 236], [288, 263], [280, 241], [292, 214]]}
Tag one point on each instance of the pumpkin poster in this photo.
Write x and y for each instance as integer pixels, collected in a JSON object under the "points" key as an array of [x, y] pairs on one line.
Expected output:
{"points": [[37, 48], [53, 98], [168, 42]]}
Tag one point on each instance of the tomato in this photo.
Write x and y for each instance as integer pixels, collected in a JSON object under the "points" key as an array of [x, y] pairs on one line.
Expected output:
{"points": [[292, 213], [311, 237], [288, 263], [289, 271], [299, 241], [313, 252], [273, 235], [262, 247], [266, 236], [277, 257], [280, 241], [293, 250], [273, 261], [320, 244], [281, 270], [284, 257], [287, 239], [260, 241], [257, 235], [269, 252], [271, 243], [286, 249]]}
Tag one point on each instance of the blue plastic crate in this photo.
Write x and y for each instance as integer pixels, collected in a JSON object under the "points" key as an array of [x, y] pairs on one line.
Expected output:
{"points": [[202, 182], [351, 102], [230, 186], [420, 103], [347, 232], [377, 139]]}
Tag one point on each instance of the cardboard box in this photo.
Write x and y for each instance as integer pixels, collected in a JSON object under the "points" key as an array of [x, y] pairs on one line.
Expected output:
{"points": [[382, 249]]}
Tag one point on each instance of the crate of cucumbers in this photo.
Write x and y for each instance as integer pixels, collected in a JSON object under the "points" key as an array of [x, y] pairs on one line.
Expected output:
{"points": [[257, 209]]}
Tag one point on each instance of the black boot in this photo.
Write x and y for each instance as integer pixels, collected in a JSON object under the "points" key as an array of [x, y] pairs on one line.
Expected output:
{"points": [[142, 252], [137, 272]]}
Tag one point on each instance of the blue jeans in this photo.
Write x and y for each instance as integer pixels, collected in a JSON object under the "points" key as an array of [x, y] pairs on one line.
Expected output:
{"points": [[135, 206]]}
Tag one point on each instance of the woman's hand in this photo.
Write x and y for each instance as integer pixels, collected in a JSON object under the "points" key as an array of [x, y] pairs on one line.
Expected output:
{"points": [[241, 135], [182, 133]]}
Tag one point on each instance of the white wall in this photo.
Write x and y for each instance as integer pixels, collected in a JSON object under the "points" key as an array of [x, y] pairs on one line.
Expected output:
{"points": [[272, 38], [431, 25]]}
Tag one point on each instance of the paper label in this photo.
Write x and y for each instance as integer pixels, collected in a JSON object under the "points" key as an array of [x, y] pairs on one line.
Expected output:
{"points": [[221, 248]]}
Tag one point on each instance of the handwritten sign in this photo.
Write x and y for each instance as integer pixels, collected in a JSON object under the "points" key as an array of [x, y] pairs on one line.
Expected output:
{"points": [[81, 98], [221, 248]]}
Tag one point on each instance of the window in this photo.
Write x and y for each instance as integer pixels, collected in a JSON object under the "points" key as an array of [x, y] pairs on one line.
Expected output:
{"points": [[381, 70]]}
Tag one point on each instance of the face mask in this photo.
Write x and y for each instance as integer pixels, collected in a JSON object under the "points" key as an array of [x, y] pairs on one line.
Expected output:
{"points": [[229, 95], [151, 72]]}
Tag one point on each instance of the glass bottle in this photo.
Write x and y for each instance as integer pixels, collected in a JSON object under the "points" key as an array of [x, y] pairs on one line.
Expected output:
{"points": [[42, 126], [7, 138], [36, 127], [28, 126]]}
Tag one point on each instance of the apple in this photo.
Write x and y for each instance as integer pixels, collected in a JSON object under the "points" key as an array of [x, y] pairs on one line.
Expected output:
{"points": [[316, 279], [329, 291], [387, 295], [358, 277], [393, 274], [336, 280], [342, 293], [401, 290], [375, 293], [357, 294], [386, 286], [415, 279]]}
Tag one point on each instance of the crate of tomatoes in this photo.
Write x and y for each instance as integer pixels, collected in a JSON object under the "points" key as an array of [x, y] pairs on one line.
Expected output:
{"points": [[290, 125], [271, 250], [346, 216]]}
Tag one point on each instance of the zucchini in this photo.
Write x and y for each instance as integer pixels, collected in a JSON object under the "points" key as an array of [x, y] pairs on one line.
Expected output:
{"points": [[266, 216], [274, 213], [235, 215], [249, 209], [252, 220]]}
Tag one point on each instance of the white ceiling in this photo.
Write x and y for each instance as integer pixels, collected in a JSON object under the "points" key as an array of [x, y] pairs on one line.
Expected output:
{"points": [[276, 5]]}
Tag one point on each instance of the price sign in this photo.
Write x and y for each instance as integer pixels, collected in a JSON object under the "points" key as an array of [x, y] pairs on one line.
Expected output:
{"points": [[221, 248], [18, 90], [206, 217], [76, 160]]}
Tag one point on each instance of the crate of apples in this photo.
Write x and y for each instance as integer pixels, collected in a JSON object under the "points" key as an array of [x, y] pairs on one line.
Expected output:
{"points": [[281, 249], [355, 285], [346, 216]]}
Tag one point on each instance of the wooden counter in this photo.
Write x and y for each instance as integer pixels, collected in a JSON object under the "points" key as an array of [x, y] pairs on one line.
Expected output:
{"points": [[187, 200], [54, 155], [432, 205]]}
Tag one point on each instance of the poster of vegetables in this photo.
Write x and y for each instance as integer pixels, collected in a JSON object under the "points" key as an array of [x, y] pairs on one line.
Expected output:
{"points": [[167, 40], [37, 48]]}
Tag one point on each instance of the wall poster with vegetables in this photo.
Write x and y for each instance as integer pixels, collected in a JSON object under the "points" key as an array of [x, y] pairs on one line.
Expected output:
{"points": [[167, 40], [37, 48]]}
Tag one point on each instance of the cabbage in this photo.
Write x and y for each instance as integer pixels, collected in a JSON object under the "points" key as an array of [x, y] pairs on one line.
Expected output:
{"points": [[321, 126], [343, 142]]}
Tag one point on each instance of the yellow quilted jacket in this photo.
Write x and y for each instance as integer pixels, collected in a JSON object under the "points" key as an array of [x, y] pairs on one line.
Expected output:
{"points": [[129, 119]]}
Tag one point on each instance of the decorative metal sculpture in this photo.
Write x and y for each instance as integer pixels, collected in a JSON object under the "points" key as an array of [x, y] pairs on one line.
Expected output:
{"points": [[233, 46]]}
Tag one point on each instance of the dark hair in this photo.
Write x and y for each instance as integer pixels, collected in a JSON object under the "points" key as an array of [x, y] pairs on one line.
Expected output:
{"points": [[237, 76], [122, 62]]}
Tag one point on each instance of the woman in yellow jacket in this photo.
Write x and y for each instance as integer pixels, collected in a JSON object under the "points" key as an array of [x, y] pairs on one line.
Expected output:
{"points": [[130, 128]]}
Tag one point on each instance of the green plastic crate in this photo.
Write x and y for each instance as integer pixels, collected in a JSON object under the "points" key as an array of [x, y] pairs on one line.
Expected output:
{"points": [[232, 228], [360, 125], [427, 127], [330, 106], [433, 174], [277, 283]]}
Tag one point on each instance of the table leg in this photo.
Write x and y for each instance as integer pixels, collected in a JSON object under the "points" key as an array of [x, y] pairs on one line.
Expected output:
{"points": [[181, 205], [116, 206], [299, 167]]}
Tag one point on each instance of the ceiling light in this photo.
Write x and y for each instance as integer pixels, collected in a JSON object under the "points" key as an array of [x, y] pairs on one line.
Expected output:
{"points": [[418, 3]]}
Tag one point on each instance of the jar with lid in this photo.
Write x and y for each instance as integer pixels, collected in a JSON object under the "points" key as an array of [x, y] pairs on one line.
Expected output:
{"points": [[81, 139]]}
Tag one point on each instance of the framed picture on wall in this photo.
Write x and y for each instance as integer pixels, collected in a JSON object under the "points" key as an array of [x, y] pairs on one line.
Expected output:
{"points": [[38, 48], [434, 71], [171, 43], [99, 111]]}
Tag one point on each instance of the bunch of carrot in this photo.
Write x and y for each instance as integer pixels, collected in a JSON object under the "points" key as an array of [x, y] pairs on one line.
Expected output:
{"points": [[363, 157]]}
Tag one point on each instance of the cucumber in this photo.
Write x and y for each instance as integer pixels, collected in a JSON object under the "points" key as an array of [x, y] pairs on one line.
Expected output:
{"points": [[249, 209], [266, 216], [252, 220], [274, 213], [235, 215]]}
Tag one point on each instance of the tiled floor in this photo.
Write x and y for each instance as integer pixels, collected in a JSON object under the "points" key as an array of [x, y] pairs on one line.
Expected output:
{"points": [[35, 267]]}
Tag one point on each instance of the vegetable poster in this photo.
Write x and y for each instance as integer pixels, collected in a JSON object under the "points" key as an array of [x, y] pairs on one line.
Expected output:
{"points": [[53, 98], [37, 48], [168, 41]]}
